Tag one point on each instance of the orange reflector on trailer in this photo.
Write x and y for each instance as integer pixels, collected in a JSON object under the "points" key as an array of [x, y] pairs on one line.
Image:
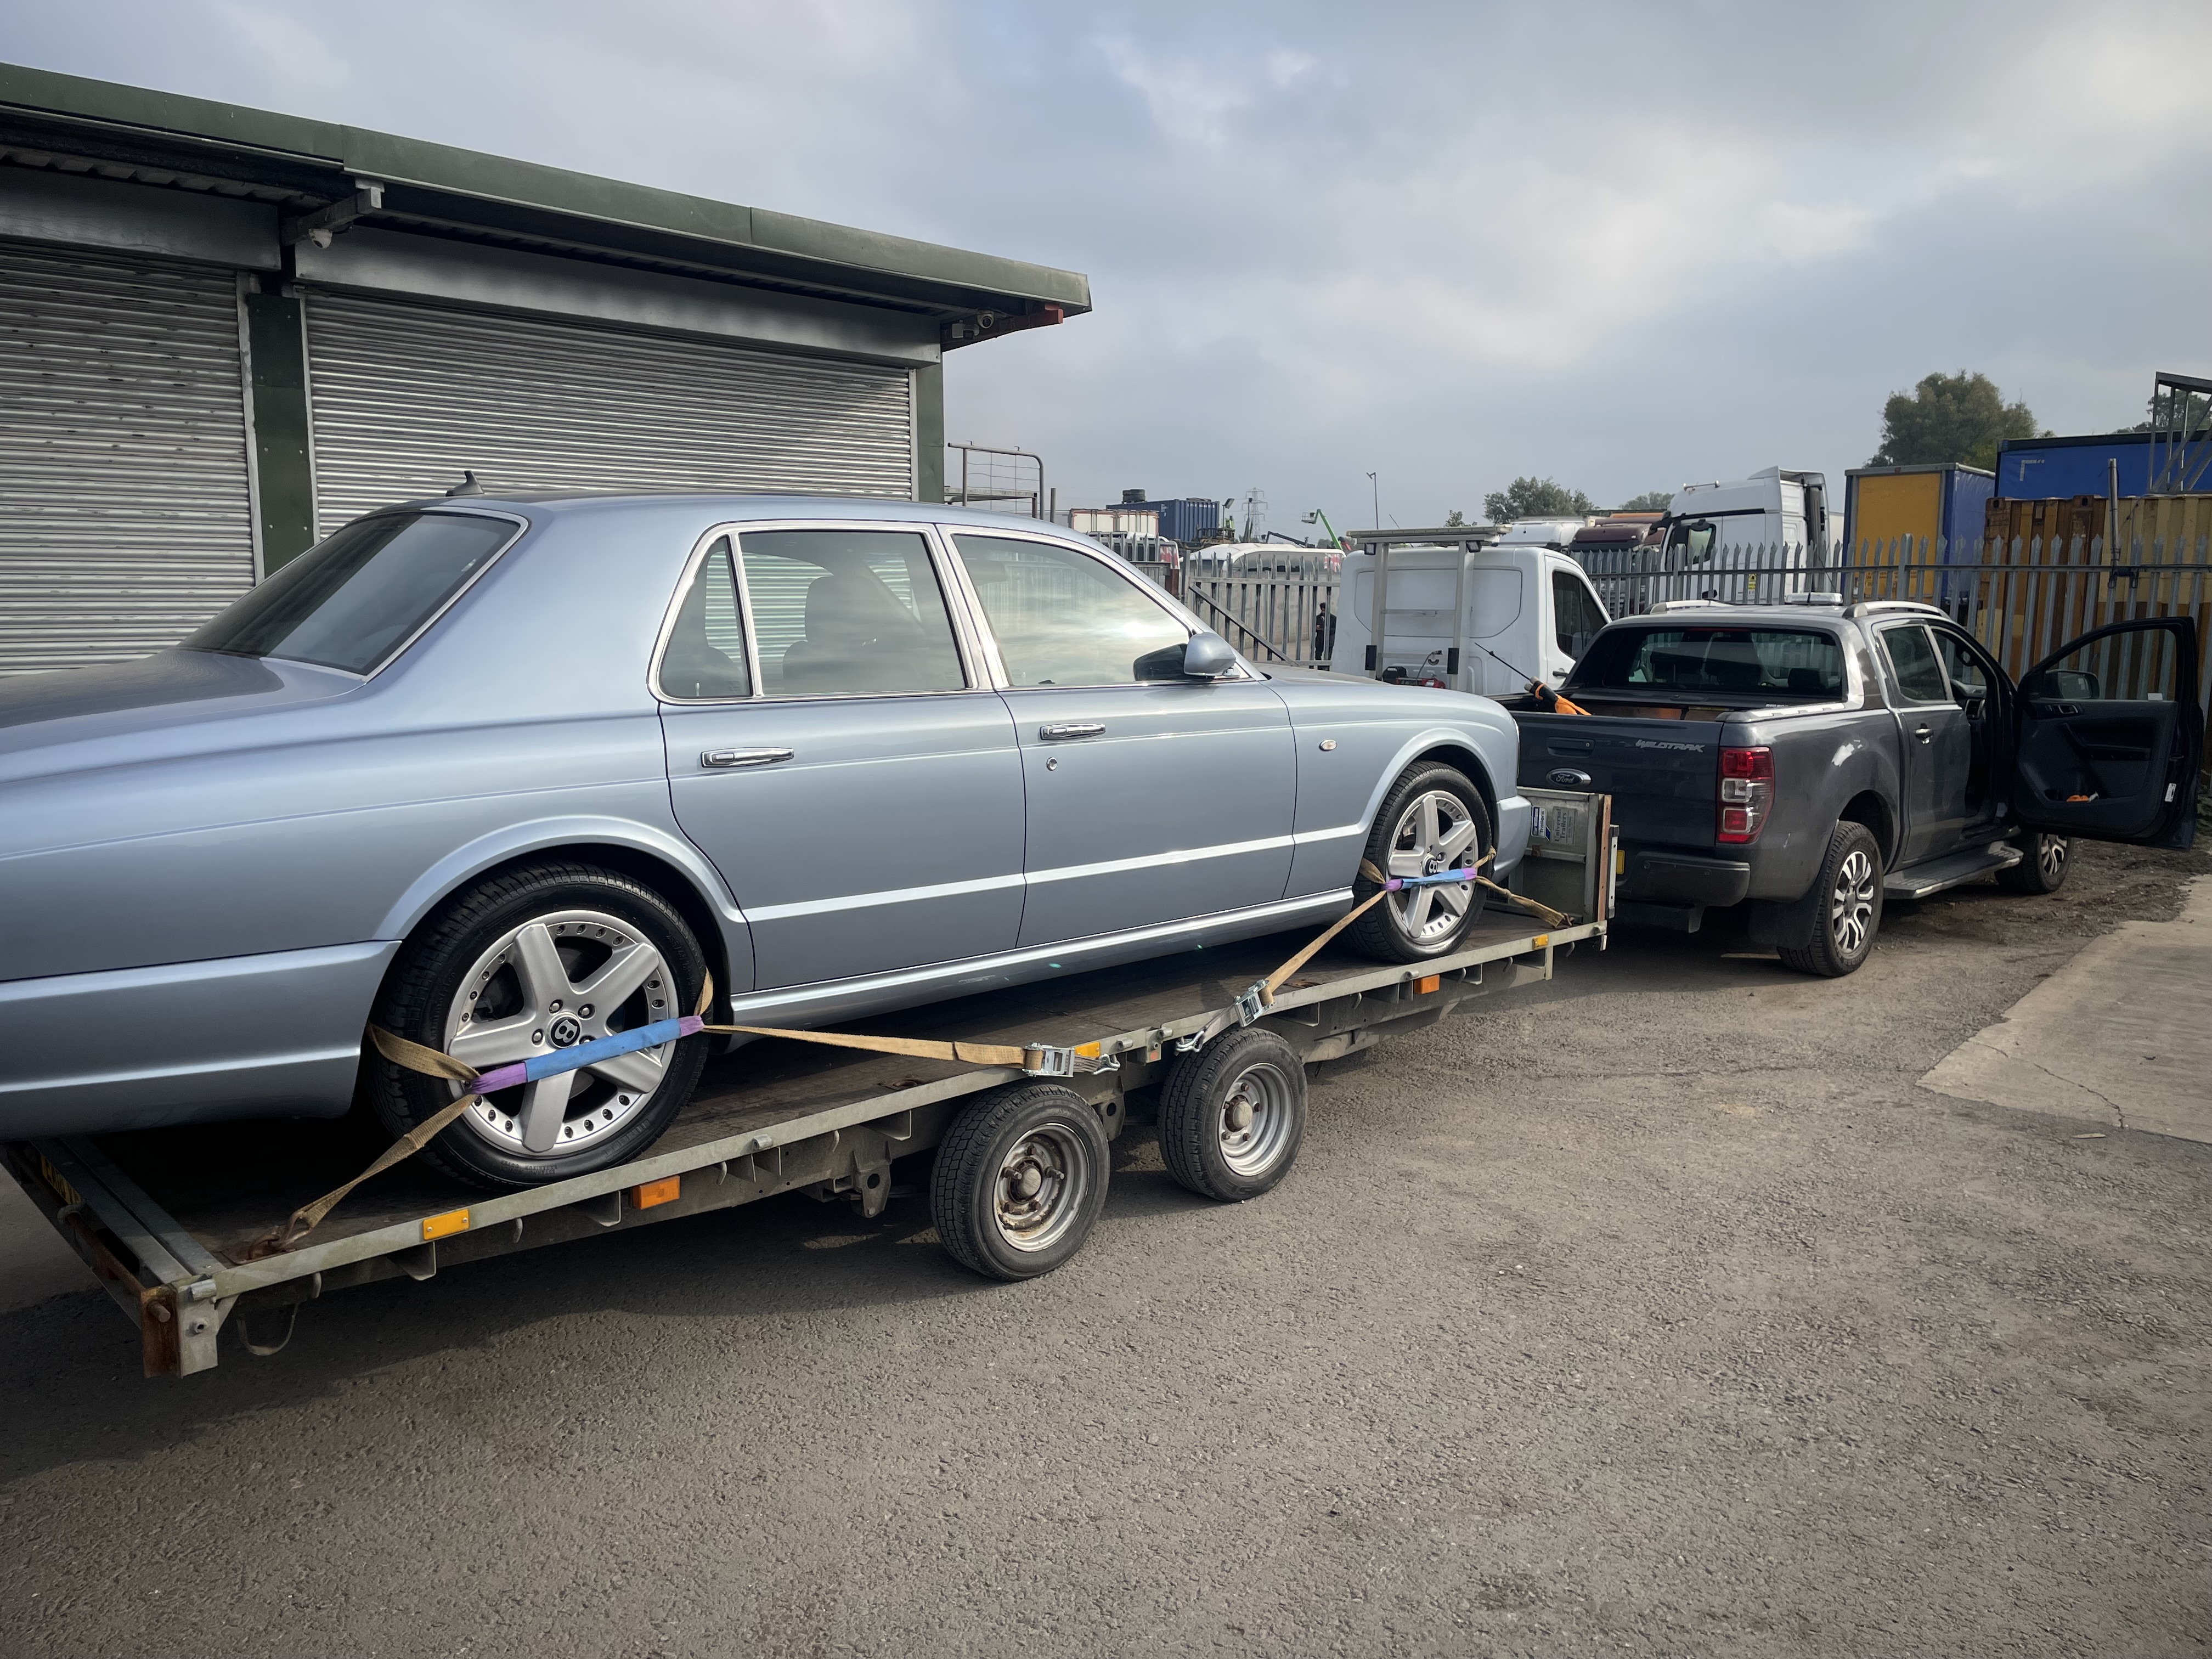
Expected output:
{"points": [[1427, 984], [666, 1190], [440, 1226], [1540, 941]]}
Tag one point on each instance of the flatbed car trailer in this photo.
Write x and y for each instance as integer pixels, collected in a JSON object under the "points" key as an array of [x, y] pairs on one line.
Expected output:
{"points": [[165, 1218]]}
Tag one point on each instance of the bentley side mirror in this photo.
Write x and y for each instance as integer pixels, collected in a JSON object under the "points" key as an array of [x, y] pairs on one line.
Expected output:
{"points": [[1207, 657]]}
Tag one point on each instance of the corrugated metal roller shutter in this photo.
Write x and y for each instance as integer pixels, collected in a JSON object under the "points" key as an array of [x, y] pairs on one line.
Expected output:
{"points": [[125, 517], [407, 396]]}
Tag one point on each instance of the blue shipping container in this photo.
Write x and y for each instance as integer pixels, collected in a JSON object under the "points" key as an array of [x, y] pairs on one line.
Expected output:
{"points": [[1185, 518], [2040, 468]]}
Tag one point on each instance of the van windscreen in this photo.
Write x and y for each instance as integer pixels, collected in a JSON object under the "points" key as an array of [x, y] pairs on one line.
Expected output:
{"points": [[1799, 665]]}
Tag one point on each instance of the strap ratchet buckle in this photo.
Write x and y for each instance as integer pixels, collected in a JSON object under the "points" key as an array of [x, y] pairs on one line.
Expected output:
{"points": [[1043, 1060], [1251, 1003]]}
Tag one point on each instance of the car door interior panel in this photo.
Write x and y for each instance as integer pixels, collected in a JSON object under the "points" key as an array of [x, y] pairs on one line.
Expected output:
{"points": [[2109, 737]]}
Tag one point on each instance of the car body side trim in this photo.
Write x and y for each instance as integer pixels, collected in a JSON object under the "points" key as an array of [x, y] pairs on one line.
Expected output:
{"points": [[953, 889], [793, 999], [1156, 860], [890, 896]]}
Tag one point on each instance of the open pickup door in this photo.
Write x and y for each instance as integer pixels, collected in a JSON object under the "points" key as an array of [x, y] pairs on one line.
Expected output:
{"points": [[2108, 738]]}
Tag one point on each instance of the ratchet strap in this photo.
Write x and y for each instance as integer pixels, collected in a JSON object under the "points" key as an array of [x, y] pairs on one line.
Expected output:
{"points": [[415, 1058], [1037, 1059], [1248, 1006]]}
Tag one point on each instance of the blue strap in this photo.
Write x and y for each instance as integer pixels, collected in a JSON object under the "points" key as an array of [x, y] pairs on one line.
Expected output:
{"points": [[606, 1047]]}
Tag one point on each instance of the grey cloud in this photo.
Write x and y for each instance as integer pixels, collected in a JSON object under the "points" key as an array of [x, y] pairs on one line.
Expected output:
{"points": [[1621, 244]]}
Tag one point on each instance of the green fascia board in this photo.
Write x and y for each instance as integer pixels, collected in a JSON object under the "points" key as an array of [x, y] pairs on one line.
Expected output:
{"points": [[392, 160]]}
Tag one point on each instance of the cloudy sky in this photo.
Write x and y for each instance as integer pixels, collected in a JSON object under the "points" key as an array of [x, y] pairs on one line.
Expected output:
{"points": [[1623, 245]]}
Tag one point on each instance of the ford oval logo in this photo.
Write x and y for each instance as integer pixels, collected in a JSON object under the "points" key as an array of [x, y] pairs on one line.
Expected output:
{"points": [[1567, 777]]}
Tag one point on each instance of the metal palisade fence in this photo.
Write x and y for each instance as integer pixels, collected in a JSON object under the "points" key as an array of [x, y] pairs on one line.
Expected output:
{"points": [[1273, 607]]}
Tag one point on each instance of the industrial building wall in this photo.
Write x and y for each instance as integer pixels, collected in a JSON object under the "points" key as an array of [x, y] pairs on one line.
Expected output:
{"points": [[405, 397], [126, 514]]}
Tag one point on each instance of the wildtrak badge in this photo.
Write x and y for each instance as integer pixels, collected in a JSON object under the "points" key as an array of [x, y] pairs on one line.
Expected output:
{"points": [[1655, 743]]}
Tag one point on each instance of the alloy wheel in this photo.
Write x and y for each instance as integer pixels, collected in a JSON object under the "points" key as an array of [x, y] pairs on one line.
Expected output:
{"points": [[1435, 833], [1852, 905], [549, 984], [2051, 855]]}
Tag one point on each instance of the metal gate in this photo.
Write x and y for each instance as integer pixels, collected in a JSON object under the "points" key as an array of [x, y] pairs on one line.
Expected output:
{"points": [[125, 519], [406, 396]]}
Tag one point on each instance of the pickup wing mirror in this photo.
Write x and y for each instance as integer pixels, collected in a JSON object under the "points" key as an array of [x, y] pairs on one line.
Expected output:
{"points": [[1207, 657]]}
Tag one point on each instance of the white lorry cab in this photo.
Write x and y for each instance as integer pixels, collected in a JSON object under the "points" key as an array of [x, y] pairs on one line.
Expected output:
{"points": [[1775, 508], [1473, 609]]}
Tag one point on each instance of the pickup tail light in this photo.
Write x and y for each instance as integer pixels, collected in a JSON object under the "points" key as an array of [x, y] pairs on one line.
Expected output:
{"points": [[1747, 793]]}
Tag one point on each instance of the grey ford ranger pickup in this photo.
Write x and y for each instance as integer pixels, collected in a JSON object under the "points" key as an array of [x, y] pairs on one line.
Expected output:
{"points": [[1811, 759]]}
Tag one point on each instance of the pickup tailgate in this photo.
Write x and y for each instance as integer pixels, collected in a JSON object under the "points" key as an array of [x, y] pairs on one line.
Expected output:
{"points": [[1663, 775]]}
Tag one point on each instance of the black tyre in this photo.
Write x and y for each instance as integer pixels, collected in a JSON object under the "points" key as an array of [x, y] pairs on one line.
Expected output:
{"points": [[1233, 1115], [540, 958], [1020, 1180], [1848, 912], [2043, 865], [1433, 819]]}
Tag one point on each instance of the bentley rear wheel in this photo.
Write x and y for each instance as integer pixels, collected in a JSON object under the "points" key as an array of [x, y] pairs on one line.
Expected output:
{"points": [[528, 962]]}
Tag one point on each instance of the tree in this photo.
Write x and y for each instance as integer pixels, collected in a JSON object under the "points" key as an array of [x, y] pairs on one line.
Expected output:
{"points": [[1949, 417], [1536, 498], [1454, 519], [2175, 410], [1651, 501]]}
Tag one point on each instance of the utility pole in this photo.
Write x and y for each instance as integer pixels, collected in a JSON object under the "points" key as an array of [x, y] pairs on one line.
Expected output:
{"points": [[1374, 491]]}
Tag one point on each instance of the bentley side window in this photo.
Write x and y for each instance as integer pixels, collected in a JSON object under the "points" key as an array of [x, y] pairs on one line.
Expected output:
{"points": [[849, 612], [1061, 619], [706, 654]]}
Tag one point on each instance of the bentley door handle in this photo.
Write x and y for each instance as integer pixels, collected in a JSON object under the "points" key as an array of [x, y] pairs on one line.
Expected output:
{"points": [[1055, 733], [726, 758]]}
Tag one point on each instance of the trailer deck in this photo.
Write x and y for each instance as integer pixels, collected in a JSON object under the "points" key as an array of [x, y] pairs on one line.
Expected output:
{"points": [[164, 1217]]}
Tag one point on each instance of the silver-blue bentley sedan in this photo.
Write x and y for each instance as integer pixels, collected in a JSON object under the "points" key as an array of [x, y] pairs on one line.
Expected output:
{"points": [[502, 774]]}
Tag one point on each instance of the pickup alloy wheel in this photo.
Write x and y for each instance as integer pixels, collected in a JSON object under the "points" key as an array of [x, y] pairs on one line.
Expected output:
{"points": [[1848, 910], [2042, 867]]}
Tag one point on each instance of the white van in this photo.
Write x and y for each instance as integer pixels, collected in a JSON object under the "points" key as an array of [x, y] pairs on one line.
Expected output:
{"points": [[1470, 613]]}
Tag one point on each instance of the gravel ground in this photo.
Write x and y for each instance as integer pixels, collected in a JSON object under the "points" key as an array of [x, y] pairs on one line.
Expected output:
{"points": [[1657, 1311]]}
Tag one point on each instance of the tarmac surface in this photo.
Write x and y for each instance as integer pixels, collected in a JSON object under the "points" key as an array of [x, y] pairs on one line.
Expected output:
{"points": [[1661, 1311]]}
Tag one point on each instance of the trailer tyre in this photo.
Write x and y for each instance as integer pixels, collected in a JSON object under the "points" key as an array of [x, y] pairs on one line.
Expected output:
{"points": [[2042, 867], [1020, 1180], [533, 959], [1233, 1115], [1848, 912], [1433, 819]]}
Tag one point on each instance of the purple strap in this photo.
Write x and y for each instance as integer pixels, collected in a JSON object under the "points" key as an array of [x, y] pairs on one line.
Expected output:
{"points": [[585, 1054], [1399, 883]]}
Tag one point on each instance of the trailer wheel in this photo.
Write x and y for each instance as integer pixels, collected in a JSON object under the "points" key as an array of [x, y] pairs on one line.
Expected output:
{"points": [[1020, 1180], [1233, 1115]]}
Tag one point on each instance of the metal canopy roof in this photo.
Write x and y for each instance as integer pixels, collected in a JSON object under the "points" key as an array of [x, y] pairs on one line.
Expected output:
{"points": [[100, 130]]}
